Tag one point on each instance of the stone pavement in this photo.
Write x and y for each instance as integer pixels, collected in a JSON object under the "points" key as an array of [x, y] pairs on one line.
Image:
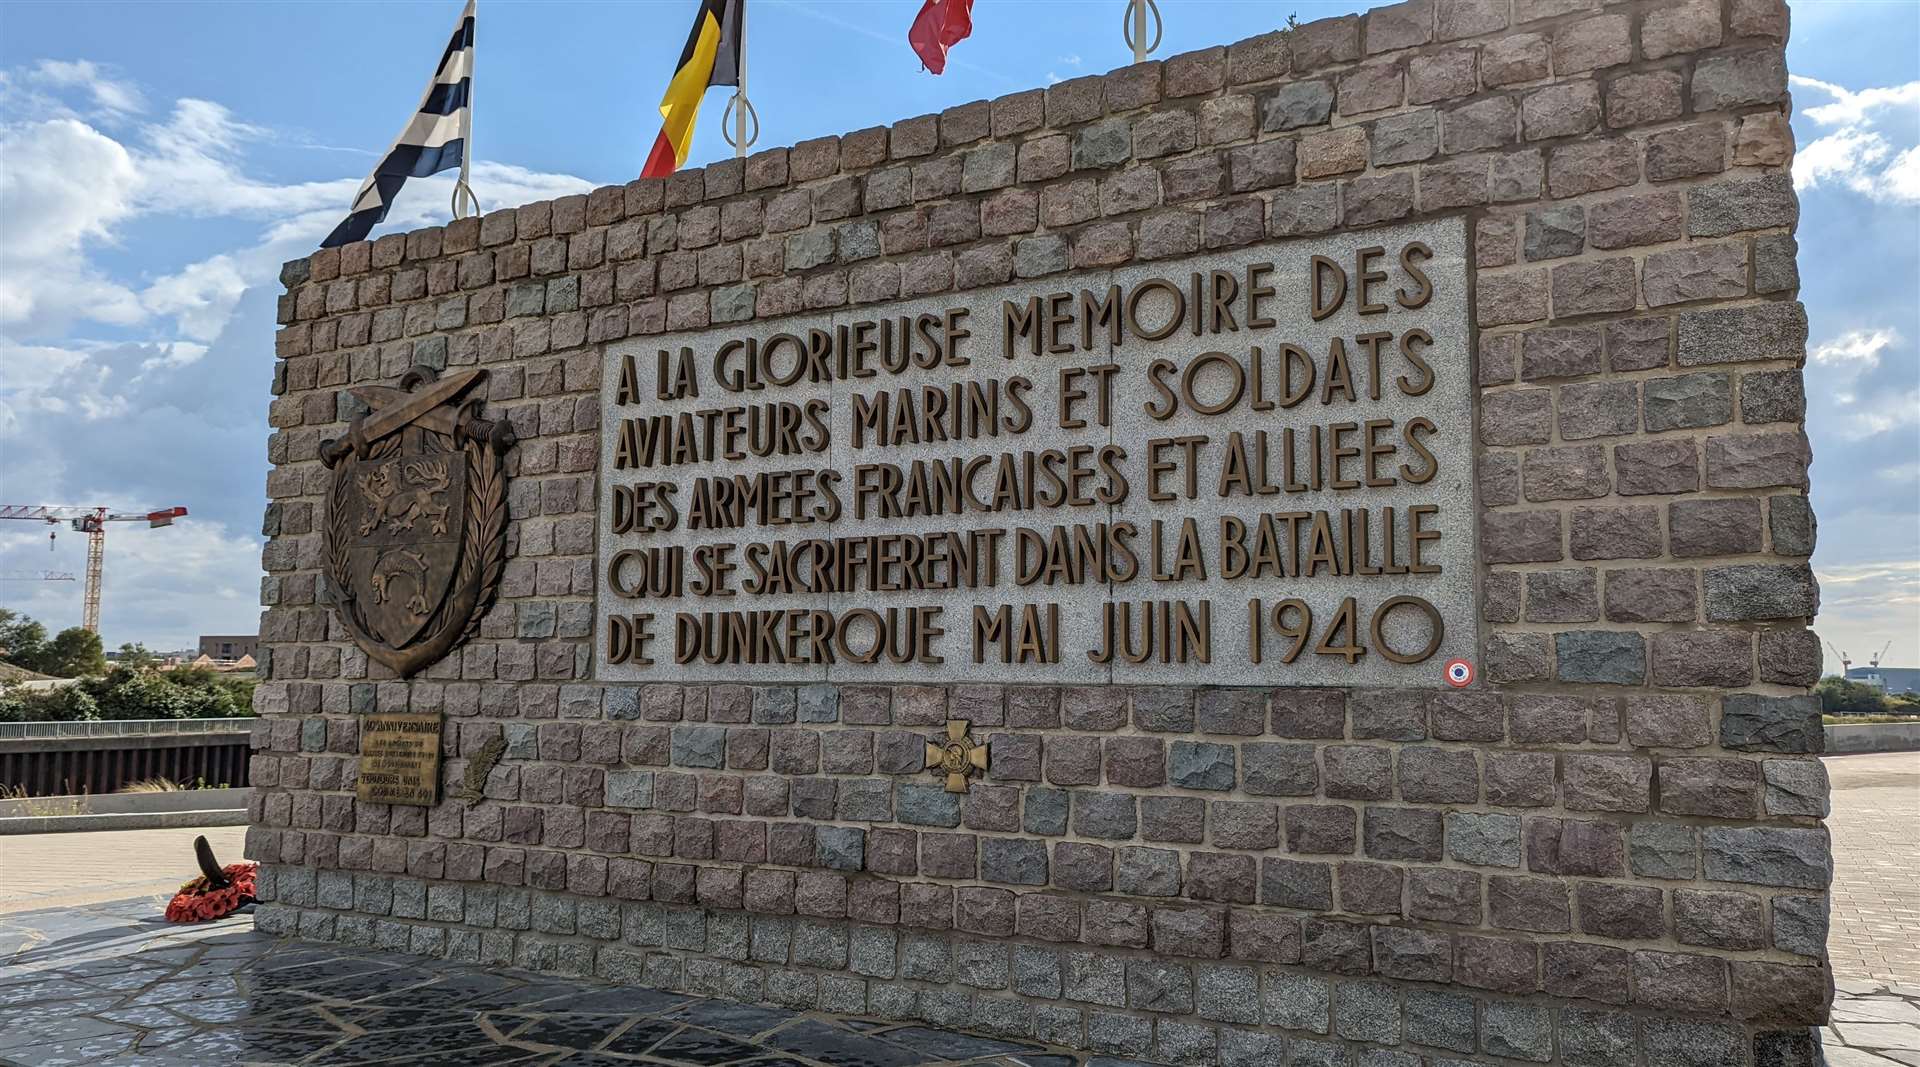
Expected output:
{"points": [[112, 984], [1873, 1025], [1875, 932], [1874, 939], [36, 870]]}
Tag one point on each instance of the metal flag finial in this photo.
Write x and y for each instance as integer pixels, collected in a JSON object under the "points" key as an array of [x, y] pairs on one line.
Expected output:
{"points": [[1133, 28]]}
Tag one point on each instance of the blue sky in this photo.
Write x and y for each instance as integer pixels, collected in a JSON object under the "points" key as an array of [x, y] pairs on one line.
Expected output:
{"points": [[159, 160]]}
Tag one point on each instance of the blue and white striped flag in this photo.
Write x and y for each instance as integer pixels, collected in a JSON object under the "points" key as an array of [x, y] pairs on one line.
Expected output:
{"points": [[435, 139]]}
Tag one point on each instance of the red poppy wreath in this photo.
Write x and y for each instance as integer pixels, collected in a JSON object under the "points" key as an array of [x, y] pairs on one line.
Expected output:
{"points": [[217, 893]]}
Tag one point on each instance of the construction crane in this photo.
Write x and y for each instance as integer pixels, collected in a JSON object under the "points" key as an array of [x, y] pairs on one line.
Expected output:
{"points": [[36, 576], [1878, 656], [1845, 663], [93, 523]]}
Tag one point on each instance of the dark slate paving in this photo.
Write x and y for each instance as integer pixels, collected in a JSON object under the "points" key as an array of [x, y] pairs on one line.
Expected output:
{"points": [[112, 985], [952, 1046]]}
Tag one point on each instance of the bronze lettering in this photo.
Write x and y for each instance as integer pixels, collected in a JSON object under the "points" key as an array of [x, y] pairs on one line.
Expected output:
{"points": [[1366, 278], [1258, 290], [1371, 342], [1237, 375], [627, 389], [1022, 321], [1339, 376], [1411, 344], [1164, 631], [1411, 256], [1165, 329], [1223, 288], [1103, 310], [1437, 629], [1329, 287], [1375, 451], [1418, 426]]}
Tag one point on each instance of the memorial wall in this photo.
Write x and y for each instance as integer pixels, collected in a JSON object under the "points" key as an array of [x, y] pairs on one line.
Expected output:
{"points": [[1296, 553]]}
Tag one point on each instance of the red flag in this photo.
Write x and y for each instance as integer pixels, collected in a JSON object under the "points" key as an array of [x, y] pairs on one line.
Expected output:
{"points": [[940, 25]]}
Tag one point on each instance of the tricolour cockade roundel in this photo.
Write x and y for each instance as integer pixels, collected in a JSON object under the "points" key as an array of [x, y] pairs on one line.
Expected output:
{"points": [[1459, 673]]}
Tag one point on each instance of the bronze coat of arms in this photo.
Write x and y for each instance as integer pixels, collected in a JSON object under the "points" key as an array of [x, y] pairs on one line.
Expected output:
{"points": [[417, 517]]}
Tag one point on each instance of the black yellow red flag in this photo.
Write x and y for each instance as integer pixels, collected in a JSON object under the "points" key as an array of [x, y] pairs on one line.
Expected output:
{"points": [[712, 57]]}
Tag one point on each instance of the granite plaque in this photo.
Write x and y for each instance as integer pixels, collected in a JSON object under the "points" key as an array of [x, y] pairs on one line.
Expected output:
{"points": [[1250, 467]]}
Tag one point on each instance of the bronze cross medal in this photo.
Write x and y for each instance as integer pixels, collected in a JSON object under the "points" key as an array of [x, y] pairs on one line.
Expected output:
{"points": [[960, 758]]}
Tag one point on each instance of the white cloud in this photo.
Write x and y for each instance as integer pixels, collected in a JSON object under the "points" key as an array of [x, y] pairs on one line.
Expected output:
{"points": [[1858, 154], [1901, 179], [1858, 350], [76, 184], [1890, 413], [200, 297], [82, 186], [1845, 155], [1864, 605], [190, 165], [134, 375], [1850, 108], [109, 93], [163, 587], [1865, 408], [47, 90]]}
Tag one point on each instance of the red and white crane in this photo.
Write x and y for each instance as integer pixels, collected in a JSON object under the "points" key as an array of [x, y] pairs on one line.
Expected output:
{"points": [[93, 523]]}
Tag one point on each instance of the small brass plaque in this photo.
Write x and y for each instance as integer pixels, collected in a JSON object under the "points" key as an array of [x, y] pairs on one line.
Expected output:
{"points": [[400, 759]]}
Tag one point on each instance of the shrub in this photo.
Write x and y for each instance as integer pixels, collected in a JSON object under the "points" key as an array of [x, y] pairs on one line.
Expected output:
{"points": [[133, 694]]}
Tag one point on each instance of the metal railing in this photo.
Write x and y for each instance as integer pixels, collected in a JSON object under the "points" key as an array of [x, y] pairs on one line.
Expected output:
{"points": [[66, 758], [10, 731]]}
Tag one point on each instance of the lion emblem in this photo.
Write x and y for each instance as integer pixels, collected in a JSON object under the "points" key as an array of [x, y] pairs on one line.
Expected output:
{"points": [[401, 507]]}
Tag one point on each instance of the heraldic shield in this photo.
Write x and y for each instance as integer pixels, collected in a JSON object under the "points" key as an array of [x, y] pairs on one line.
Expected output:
{"points": [[417, 518]]}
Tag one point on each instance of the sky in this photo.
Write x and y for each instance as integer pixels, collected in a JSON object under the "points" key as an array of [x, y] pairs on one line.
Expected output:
{"points": [[160, 160]]}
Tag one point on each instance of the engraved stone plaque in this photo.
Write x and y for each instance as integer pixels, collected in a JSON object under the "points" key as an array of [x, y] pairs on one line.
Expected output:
{"points": [[1251, 467]]}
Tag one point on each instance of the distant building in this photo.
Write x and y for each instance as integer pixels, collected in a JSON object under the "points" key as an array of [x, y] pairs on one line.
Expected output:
{"points": [[229, 647], [244, 663], [1889, 680]]}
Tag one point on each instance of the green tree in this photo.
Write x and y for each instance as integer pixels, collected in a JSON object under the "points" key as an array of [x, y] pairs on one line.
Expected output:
{"points": [[127, 694], [137, 656], [1838, 696], [74, 653], [23, 641], [71, 704]]}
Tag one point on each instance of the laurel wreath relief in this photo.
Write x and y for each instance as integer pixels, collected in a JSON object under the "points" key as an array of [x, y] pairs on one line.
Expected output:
{"points": [[473, 784], [483, 547]]}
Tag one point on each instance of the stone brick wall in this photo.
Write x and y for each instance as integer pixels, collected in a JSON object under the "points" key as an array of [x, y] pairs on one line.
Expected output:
{"points": [[1608, 852]]}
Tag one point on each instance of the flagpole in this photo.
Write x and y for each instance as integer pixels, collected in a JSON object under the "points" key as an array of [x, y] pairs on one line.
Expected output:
{"points": [[740, 93], [464, 202]]}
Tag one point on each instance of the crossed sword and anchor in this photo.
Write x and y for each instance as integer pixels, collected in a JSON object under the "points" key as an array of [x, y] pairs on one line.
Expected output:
{"points": [[428, 407]]}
